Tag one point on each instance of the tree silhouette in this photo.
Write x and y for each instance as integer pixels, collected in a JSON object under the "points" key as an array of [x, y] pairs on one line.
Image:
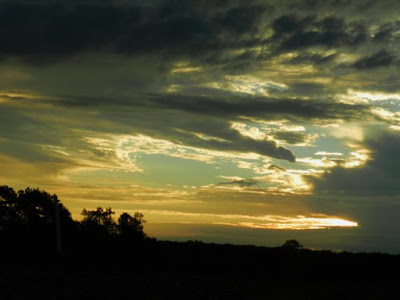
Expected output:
{"points": [[99, 221], [33, 217], [30, 210], [131, 227], [8, 213]]}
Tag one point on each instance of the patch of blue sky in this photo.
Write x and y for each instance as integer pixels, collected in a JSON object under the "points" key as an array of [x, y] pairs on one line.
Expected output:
{"points": [[163, 170]]}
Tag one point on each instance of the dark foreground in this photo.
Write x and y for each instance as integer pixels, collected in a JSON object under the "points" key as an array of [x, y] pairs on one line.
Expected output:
{"points": [[194, 270], [103, 258]]}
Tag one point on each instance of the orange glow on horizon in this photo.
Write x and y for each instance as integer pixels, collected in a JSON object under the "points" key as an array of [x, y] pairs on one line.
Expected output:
{"points": [[274, 222]]}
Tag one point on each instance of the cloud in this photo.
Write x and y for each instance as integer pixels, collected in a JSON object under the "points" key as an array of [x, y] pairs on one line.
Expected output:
{"points": [[210, 33], [177, 117], [378, 176], [256, 106], [387, 32], [295, 138], [293, 33], [379, 59], [106, 57], [241, 182], [288, 24], [306, 89], [55, 30], [312, 58]]}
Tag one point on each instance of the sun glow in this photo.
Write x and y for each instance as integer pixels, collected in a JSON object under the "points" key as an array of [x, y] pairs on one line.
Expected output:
{"points": [[274, 222], [300, 223]]}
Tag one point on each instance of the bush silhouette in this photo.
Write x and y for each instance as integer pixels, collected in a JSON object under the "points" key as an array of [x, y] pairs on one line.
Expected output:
{"points": [[292, 244]]}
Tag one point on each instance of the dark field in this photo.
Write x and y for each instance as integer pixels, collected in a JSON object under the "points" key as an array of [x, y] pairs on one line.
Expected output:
{"points": [[194, 270]]}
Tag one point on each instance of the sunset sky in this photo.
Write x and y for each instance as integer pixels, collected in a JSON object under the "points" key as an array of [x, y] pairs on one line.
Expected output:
{"points": [[248, 122]]}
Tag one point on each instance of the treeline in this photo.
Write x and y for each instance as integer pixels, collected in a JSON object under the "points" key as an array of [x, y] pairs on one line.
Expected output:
{"points": [[35, 218]]}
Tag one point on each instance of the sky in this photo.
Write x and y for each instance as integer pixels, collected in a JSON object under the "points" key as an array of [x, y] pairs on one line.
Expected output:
{"points": [[246, 122]]}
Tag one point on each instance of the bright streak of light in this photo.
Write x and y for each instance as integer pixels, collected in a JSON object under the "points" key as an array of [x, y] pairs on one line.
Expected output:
{"points": [[277, 222]]}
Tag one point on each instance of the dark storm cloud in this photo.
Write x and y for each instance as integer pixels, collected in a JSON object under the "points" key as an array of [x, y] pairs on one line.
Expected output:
{"points": [[379, 59], [43, 30], [293, 33], [387, 32], [380, 176], [369, 8], [257, 107], [155, 35], [230, 106], [205, 31], [287, 24]]}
